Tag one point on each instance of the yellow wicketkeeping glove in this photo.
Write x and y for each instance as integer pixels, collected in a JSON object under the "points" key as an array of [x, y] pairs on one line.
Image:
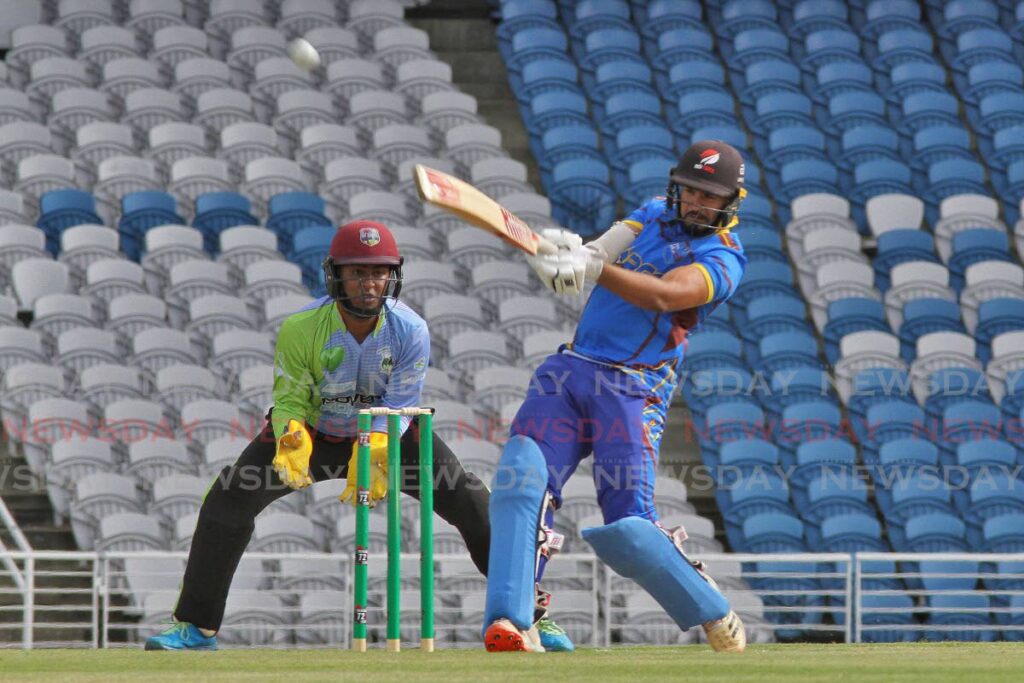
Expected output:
{"points": [[291, 461], [378, 471]]}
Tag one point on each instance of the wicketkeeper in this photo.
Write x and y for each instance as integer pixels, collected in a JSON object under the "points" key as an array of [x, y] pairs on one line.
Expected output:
{"points": [[659, 274], [357, 347]]}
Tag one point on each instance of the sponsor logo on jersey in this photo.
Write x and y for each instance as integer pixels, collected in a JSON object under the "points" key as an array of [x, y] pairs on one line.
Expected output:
{"points": [[708, 159], [387, 362], [331, 358], [354, 399], [369, 236]]}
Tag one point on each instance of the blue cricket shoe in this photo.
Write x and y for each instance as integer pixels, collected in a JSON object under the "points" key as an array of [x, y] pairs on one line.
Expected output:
{"points": [[553, 637], [182, 636]]}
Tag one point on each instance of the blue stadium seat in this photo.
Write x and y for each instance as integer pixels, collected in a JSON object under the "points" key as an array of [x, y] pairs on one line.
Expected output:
{"points": [[772, 532], [645, 179], [975, 613], [761, 278], [807, 176], [738, 16], [838, 77], [964, 15], [728, 132], [1007, 147], [309, 246], [636, 143], [819, 457], [598, 15], [771, 314], [997, 494], [768, 76], [605, 45], [756, 211], [725, 422], [967, 420], [792, 143], [914, 77], [953, 385], [899, 246], [290, 212], [531, 44], [980, 458], [719, 320], [848, 110], [881, 17], [879, 176], [854, 314], [693, 74], [666, 15], [218, 211], [868, 143], [945, 575], [928, 108], [786, 351], [974, 245], [744, 458], [518, 15], [582, 199], [980, 45], [808, 421], [934, 532], [996, 316], [627, 109], [781, 109], [63, 209], [619, 76], [141, 211], [701, 108], [922, 316], [851, 532], [828, 46], [799, 385], [714, 350], [755, 45], [938, 143], [989, 78], [877, 385], [817, 15], [1001, 109], [887, 420], [920, 496], [556, 108], [681, 44], [951, 177], [907, 454], [545, 75], [704, 388], [564, 143], [900, 46], [1004, 534], [760, 244]]}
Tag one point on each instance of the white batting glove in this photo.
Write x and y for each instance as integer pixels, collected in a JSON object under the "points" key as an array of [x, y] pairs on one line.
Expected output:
{"points": [[566, 271]]}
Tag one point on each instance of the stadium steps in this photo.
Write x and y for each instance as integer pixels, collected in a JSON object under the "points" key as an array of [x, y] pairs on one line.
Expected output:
{"points": [[462, 34], [31, 508]]}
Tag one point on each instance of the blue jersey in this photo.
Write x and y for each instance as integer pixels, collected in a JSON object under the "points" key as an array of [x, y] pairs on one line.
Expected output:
{"points": [[615, 331]]}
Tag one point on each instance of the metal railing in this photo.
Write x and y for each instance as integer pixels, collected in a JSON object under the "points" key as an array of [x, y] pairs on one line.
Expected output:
{"points": [[304, 600]]}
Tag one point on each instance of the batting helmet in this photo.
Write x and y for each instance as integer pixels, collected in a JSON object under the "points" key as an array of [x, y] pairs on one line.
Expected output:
{"points": [[714, 167]]}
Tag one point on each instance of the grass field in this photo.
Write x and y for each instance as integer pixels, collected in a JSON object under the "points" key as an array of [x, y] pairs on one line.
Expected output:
{"points": [[925, 662]]}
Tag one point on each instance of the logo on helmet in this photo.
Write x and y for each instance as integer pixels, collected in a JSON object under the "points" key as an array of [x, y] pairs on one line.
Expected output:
{"points": [[708, 158], [369, 236]]}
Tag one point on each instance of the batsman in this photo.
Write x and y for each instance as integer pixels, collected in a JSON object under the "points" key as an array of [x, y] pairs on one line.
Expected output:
{"points": [[659, 273], [357, 347]]}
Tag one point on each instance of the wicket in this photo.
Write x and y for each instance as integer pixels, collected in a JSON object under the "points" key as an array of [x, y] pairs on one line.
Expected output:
{"points": [[362, 551]]}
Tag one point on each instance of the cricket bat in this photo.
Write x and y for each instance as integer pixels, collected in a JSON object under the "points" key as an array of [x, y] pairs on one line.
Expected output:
{"points": [[473, 206]]}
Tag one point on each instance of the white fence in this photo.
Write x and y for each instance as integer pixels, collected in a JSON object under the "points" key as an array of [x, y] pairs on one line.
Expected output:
{"points": [[117, 599]]}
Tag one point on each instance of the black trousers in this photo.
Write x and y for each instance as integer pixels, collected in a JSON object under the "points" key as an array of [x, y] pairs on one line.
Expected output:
{"points": [[227, 516]]}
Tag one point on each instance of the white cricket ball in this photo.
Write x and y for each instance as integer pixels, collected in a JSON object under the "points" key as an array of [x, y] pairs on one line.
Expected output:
{"points": [[304, 54]]}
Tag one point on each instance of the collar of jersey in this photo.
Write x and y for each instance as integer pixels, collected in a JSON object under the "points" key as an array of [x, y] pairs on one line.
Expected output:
{"points": [[377, 327]]}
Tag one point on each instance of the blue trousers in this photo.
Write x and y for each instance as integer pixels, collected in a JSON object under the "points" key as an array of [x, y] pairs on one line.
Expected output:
{"points": [[575, 407]]}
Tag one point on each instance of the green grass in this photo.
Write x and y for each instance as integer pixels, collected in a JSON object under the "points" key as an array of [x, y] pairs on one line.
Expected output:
{"points": [[926, 662]]}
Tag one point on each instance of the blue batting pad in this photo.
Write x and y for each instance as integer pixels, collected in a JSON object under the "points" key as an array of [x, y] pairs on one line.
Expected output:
{"points": [[637, 549], [517, 495]]}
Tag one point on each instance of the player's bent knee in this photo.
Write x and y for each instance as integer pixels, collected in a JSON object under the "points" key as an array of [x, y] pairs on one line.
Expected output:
{"points": [[637, 549]]}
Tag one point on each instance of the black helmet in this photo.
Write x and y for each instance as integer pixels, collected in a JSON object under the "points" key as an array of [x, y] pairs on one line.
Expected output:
{"points": [[714, 167]]}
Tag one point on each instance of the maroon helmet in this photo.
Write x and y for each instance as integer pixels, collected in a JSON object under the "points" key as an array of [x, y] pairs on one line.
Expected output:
{"points": [[362, 243]]}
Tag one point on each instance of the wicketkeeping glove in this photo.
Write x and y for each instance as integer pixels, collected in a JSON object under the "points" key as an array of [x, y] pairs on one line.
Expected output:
{"points": [[378, 471], [291, 461]]}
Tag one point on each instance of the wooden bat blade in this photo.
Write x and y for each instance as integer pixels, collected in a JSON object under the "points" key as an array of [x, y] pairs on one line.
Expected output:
{"points": [[473, 206]]}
